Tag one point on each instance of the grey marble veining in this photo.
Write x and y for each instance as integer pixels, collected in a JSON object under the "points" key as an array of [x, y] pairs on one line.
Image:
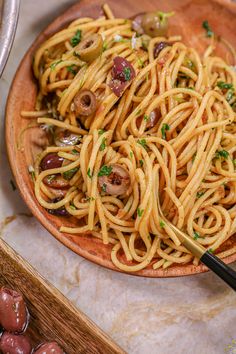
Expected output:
{"points": [[194, 314]]}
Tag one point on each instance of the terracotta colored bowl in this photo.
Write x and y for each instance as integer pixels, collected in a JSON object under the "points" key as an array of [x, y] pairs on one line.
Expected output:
{"points": [[187, 22]]}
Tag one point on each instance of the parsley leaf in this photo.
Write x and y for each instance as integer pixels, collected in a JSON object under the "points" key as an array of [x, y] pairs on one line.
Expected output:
{"points": [[103, 144], [199, 194], [162, 224], [143, 143], [196, 235], [89, 173], [69, 174], [101, 131], [230, 95], [209, 32], [53, 65], [222, 153], [76, 39], [127, 73], [131, 154], [224, 85], [140, 212], [140, 62], [72, 69], [146, 117], [105, 171], [164, 128], [138, 112], [75, 152], [141, 163], [210, 250]]}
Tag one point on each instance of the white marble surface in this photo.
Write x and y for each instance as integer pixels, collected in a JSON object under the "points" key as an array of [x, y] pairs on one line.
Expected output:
{"points": [[185, 315]]}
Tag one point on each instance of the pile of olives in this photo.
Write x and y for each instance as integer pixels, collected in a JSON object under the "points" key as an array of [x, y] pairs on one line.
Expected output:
{"points": [[14, 320]]}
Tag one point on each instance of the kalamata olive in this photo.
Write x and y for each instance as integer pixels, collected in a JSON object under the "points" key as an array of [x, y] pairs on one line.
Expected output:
{"points": [[117, 182], [85, 103], [158, 48], [155, 24], [49, 348], [14, 344], [90, 48], [13, 311], [63, 137], [60, 211], [51, 160], [56, 181], [122, 70], [137, 23], [151, 120]]}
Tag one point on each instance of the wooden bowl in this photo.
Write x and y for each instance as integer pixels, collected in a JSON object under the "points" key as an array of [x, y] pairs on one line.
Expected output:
{"points": [[189, 15], [53, 317]]}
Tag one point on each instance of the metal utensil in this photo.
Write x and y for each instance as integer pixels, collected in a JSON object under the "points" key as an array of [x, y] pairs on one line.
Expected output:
{"points": [[9, 11], [210, 260]]}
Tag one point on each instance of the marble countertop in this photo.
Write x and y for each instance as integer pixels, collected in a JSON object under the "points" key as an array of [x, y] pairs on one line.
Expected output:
{"points": [[180, 315]]}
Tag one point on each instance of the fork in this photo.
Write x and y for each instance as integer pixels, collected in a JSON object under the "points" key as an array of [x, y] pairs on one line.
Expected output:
{"points": [[214, 263]]}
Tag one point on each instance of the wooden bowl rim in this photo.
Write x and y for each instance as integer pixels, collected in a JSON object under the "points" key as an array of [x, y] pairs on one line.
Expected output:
{"points": [[37, 210]]}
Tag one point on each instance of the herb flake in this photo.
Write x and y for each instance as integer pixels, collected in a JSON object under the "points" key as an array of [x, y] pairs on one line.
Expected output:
{"points": [[76, 39], [105, 171], [206, 26], [140, 212], [164, 128]]}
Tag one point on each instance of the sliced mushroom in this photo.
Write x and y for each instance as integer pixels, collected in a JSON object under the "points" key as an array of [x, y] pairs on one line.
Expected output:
{"points": [[117, 182], [85, 103], [64, 137], [90, 48]]}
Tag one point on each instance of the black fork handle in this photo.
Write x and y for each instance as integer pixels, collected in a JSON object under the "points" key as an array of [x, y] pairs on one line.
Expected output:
{"points": [[220, 268]]}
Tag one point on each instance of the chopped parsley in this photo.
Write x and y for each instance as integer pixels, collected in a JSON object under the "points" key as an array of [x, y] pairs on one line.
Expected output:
{"points": [[76, 39], [141, 163], [229, 95], [12, 185], [105, 171], [72, 69], [50, 178], [131, 154], [127, 73], [146, 117], [140, 212], [224, 85], [72, 206], [101, 131], [222, 153], [162, 224], [142, 142], [53, 65], [90, 199], [164, 128], [209, 32], [104, 187], [200, 194], [210, 250], [89, 173], [140, 63], [103, 144], [70, 173], [138, 112], [196, 235], [75, 152], [104, 46]]}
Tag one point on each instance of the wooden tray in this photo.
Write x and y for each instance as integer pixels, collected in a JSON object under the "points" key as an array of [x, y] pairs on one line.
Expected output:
{"points": [[189, 15], [53, 317]]}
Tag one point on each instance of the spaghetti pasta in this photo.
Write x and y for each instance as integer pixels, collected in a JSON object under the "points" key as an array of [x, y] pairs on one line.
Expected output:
{"points": [[155, 119]]}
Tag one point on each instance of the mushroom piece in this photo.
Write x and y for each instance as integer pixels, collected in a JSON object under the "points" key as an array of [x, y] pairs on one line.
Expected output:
{"points": [[117, 182], [90, 48], [85, 103]]}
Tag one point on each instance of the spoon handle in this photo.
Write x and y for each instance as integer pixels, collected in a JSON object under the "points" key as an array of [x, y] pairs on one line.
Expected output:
{"points": [[220, 268]]}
